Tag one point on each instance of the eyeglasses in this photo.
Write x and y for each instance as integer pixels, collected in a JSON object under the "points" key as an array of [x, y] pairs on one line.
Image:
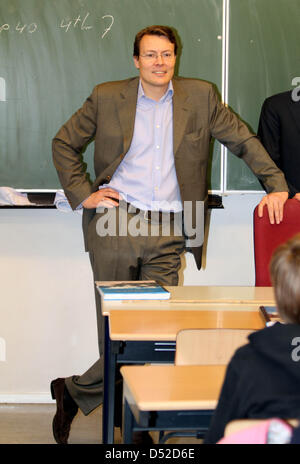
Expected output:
{"points": [[150, 56]]}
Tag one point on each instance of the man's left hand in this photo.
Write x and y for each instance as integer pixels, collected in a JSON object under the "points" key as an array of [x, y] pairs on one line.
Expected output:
{"points": [[297, 196], [275, 202]]}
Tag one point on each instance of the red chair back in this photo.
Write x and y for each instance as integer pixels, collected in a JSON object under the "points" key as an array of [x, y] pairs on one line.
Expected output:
{"points": [[268, 236]]}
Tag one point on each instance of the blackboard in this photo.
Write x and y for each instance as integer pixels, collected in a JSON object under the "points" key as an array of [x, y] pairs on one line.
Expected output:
{"points": [[53, 52], [264, 58]]}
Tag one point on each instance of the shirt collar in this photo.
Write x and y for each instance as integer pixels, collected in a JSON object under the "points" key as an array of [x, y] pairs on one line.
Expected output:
{"points": [[166, 97]]}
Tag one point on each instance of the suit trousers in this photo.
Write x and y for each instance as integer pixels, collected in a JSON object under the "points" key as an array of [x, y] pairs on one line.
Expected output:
{"points": [[126, 245]]}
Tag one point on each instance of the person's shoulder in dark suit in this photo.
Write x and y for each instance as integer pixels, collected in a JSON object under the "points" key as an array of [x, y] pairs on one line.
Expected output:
{"points": [[278, 101]]}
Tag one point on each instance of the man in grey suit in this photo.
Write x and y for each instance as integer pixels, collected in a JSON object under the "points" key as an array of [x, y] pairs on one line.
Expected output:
{"points": [[152, 137]]}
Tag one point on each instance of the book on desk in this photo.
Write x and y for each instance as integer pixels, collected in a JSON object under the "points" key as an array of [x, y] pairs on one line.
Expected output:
{"points": [[132, 290]]}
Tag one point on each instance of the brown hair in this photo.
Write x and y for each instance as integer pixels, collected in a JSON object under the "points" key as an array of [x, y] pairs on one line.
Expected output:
{"points": [[164, 31], [285, 276]]}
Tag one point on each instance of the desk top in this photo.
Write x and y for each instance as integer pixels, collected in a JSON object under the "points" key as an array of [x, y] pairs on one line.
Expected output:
{"points": [[198, 297], [164, 325], [169, 387]]}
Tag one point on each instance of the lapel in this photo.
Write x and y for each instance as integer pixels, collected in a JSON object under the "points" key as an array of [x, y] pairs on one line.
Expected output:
{"points": [[181, 112], [126, 103], [295, 110]]}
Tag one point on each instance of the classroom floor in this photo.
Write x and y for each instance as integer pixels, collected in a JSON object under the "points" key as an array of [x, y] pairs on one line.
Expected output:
{"points": [[32, 424]]}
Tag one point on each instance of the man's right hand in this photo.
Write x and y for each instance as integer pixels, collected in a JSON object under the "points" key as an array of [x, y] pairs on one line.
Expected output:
{"points": [[106, 197]]}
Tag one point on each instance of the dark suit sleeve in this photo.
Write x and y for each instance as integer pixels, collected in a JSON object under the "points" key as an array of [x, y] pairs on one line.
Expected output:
{"points": [[67, 149], [269, 132], [234, 134]]}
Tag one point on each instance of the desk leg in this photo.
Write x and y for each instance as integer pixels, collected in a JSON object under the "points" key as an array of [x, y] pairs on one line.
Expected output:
{"points": [[128, 423], [108, 388]]}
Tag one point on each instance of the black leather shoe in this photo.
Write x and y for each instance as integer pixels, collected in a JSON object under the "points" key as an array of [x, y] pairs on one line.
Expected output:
{"points": [[66, 410], [141, 438]]}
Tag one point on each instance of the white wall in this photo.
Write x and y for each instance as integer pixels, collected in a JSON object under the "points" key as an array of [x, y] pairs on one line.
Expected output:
{"points": [[229, 258], [47, 314]]}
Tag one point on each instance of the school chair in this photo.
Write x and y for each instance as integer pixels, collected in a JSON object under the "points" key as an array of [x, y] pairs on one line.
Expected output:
{"points": [[208, 346], [267, 237], [205, 347]]}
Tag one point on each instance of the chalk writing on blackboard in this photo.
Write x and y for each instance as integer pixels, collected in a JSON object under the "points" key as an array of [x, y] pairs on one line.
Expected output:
{"points": [[82, 23], [79, 22], [108, 28], [29, 28], [4, 27]]}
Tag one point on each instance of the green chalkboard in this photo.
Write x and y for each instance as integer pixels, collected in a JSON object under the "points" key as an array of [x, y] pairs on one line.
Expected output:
{"points": [[53, 52], [264, 57]]}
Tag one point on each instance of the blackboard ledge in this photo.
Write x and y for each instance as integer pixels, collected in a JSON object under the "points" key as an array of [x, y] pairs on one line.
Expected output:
{"points": [[46, 200]]}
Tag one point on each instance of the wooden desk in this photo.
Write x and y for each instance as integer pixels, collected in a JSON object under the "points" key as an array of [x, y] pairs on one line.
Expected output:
{"points": [[169, 397], [164, 325], [138, 337], [196, 297], [156, 323]]}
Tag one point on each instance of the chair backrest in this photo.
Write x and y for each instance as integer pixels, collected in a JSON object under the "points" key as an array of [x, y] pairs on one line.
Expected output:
{"points": [[208, 346], [267, 237]]}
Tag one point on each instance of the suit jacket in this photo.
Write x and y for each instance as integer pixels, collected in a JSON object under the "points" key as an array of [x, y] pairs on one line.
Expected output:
{"points": [[279, 131], [108, 116]]}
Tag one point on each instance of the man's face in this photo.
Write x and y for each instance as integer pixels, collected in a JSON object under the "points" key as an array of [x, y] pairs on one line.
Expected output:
{"points": [[158, 71]]}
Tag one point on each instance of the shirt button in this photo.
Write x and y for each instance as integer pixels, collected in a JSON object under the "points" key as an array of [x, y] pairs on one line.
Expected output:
{"points": [[157, 146]]}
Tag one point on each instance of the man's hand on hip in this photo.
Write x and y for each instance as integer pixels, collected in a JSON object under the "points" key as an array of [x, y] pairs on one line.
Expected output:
{"points": [[275, 202], [106, 197]]}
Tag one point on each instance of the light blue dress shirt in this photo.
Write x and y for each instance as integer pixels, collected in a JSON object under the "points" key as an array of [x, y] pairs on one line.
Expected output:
{"points": [[146, 177]]}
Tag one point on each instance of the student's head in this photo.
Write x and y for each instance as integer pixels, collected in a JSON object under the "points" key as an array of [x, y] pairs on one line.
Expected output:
{"points": [[154, 55], [285, 276]]}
